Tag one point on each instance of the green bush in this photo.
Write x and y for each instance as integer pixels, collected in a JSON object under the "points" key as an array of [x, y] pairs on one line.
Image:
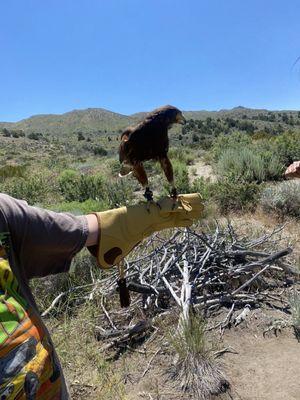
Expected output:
{"points": [[12, 171], [206, 189], [34, 189], [99, 151], [287, 147], [181, 154], [119, 192], [80, 187], [80, 208], [244, 164], [235, 195], [181, 178], [282, 198], [224, 142], [35, 136]]}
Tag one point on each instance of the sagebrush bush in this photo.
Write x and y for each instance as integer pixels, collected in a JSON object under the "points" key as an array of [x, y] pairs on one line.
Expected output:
{"points": [[237, 196], [282, 198], [205, 188], [12, 171], [80, 208], [79, 187], [246, 164], [181, 154], [181, 176], [236, 140], [251, 158], [119, 192], [34, 189]]}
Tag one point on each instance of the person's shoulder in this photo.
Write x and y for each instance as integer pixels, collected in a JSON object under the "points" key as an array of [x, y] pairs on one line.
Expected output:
{"points": [[7, 202]]}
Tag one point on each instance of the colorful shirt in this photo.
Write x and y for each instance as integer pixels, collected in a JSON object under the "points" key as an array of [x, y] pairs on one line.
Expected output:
{"points": [[29, 367]]}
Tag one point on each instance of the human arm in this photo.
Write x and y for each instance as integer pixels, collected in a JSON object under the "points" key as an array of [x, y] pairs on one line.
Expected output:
{"points": [[93, 230], [43, 242]]}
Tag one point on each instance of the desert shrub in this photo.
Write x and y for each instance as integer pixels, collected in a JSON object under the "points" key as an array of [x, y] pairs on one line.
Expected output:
{"points": [[282, 198], [182, 154], [68, 185], [80, 208], [235, 195], [99, 151], [287, 147], [35, 136], [80, 136], [181, 178], [12, 171], [79, 187], [206, 189], [244, 164], [34, 189], [119, 192], [114, 166], [234, 141], [255, 158]]}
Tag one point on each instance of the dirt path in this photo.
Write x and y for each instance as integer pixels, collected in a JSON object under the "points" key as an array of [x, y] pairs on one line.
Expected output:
{"points": [[264, 368], [200, 168]]}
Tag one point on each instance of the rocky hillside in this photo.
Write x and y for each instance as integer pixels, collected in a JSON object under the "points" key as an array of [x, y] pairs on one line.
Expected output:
{"points": [[104, 121]]}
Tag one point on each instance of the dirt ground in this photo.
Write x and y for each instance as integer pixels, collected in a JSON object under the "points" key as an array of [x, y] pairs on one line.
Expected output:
{"points": [[260, 367], [201, 169], [265, 368]]}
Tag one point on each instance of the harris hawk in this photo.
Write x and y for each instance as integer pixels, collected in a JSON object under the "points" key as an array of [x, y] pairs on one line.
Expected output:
{"points": [[149, 140]]}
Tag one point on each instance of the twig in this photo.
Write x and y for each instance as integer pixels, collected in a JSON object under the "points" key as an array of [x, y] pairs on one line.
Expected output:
{"points": [[149, 364]]}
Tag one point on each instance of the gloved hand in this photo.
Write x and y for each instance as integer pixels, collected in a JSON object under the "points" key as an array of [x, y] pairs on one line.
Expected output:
{"points": [[121, 229]]}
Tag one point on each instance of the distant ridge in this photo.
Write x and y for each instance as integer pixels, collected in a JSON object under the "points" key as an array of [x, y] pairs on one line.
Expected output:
{"points": [[102, 120]]}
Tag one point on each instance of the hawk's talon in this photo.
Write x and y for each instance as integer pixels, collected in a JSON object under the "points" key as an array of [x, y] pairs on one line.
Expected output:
{"points": [[148, 195], [149, 202], [174, 196]]}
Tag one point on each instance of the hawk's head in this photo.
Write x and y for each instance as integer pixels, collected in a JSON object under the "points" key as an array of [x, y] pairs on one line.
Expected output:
{"points": [[169, 115]]}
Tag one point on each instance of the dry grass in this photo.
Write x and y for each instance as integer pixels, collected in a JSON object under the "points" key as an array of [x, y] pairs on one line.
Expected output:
{"points": [[295, 308], [196, 369], [88, 374]]}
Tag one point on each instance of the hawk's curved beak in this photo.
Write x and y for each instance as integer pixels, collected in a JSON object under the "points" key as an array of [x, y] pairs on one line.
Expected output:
{"points": [[180, 119]]}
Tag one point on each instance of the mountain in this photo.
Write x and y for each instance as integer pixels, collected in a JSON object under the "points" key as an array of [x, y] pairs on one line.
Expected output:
{"points": [[102, 121]]}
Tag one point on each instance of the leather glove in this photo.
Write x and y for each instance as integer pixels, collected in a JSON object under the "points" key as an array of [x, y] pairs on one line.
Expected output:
{"points": [[121, 229]]}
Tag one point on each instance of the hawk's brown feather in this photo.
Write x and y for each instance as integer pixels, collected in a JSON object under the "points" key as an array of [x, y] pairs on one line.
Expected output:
{"points": [[149, 140]]}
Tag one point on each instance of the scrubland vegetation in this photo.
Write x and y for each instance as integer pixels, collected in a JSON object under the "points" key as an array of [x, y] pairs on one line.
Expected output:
{"points": [[77, 171]]}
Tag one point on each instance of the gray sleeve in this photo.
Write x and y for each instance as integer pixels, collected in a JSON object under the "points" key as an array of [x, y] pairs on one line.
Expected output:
{"points": [[43, 241]]}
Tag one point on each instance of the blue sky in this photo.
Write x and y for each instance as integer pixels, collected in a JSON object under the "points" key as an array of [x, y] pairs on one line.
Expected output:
{"points": [[134, 55]]}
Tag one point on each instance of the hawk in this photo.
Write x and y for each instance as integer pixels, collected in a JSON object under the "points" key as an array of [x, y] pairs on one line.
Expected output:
{"points": [[149, 141]]}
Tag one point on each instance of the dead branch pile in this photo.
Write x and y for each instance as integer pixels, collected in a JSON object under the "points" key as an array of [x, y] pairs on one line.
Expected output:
{"points": [[205, 270]]}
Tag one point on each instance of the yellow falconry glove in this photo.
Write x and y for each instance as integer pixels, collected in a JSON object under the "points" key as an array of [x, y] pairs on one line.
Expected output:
{"points": [[121, 229]]}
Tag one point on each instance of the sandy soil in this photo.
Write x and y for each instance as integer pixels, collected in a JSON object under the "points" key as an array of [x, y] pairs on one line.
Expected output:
{"points": [[201, 169], [265, 368]]}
